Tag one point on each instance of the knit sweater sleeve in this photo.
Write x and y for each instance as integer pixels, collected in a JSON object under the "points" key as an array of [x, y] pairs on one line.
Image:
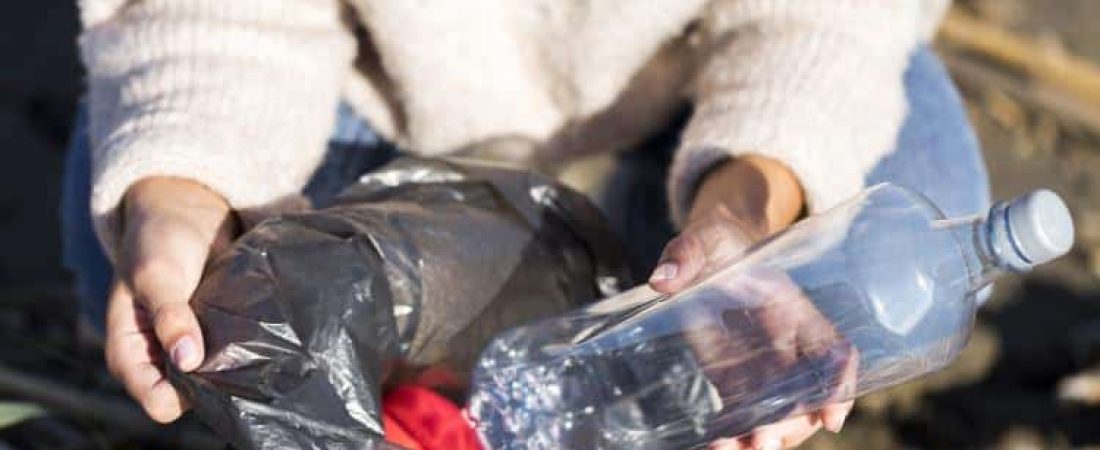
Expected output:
{"points": [[238, 95], [815, 84]]}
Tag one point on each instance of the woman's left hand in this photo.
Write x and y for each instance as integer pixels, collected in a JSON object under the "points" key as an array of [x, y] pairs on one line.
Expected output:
{"points": [[737, 204]]}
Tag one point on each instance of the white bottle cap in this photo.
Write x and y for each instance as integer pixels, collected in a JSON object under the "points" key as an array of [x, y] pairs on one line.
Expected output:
{"points": [[1032, 229]]}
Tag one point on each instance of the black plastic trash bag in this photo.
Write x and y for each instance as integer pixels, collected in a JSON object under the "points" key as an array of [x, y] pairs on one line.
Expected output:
{"points": [[417, 265]]}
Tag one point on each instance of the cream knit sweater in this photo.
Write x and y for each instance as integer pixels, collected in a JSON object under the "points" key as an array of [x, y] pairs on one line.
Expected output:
{"points": [[240, 94]]}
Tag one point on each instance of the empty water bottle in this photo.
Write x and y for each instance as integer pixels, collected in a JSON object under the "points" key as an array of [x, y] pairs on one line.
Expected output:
{"points": [[874, 292]]}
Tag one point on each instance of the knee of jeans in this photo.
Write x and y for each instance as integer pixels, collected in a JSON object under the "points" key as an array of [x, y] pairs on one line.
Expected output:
{"points": [[936, 151]]}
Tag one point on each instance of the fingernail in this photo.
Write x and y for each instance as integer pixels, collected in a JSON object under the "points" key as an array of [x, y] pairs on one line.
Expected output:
{"points": [[665, 271], [835, 425], [185, 354], [770, 443]]}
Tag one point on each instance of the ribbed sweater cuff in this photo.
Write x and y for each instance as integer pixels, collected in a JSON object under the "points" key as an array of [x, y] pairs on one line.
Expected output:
{"points": [[166, 154], [808, 91]]}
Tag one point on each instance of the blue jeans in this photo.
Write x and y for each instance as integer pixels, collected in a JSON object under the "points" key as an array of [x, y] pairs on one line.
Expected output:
{"points": [[936, 153]]}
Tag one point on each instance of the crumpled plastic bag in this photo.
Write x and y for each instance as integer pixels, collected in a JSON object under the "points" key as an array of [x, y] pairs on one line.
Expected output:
{"points": [[416, 266]]}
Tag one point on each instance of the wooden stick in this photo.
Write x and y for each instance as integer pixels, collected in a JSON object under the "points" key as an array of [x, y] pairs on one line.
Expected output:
{"points": [[1058, 69], [1071, 110], [116, 416]]}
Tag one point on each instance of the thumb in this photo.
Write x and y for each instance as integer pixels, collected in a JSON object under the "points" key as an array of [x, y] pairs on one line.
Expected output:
{"points": [[165, 268], [682, 260], [703, 246]]}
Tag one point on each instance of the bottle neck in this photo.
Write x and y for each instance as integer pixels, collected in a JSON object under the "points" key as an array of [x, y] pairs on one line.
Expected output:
{"points": [[979, 238]]}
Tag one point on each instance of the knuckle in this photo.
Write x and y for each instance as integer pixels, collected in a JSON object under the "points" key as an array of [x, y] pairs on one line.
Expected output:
{"points": [[684, 247], [170, 317], [117, 358], [123, 372]]}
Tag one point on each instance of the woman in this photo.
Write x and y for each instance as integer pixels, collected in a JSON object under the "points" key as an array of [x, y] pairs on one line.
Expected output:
{"points": [[204, 116]]}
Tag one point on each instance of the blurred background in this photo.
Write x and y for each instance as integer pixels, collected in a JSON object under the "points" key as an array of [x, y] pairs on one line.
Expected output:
{"points": [[1030, 378]]}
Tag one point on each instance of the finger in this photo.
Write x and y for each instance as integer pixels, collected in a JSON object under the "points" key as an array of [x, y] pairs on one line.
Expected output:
{"points": [[780, 316], [727, 444], [682, 261], [841, 403], [132, 359], [119, 352], [846, 357], [785, 434], [833, 416], [158, 287], [164, 403]]}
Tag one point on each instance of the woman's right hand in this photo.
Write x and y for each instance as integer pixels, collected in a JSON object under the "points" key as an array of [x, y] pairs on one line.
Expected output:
{"points": [[736, 205], [171, 228]]}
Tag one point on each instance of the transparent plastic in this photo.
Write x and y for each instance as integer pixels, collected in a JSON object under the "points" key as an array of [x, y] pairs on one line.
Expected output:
{"points": [[876, 291]]}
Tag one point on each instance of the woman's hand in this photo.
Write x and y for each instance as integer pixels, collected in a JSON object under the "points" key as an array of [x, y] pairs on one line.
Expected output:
{"points": [[171, 228], [739, 203]]}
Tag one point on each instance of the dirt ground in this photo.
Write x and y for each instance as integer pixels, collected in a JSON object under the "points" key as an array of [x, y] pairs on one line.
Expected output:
{"points": [[1002, 394]]}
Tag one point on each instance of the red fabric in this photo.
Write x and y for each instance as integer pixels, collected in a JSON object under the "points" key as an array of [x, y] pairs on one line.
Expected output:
{"points": [[396, 434], [417, 418]]}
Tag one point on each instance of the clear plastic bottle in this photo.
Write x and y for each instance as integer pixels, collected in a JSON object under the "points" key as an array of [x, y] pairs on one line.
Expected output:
{"points": [[874, 292]]}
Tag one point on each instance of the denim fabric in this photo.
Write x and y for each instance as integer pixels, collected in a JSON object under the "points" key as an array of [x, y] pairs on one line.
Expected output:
{"points": [[80, 250], [936, 153]]}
